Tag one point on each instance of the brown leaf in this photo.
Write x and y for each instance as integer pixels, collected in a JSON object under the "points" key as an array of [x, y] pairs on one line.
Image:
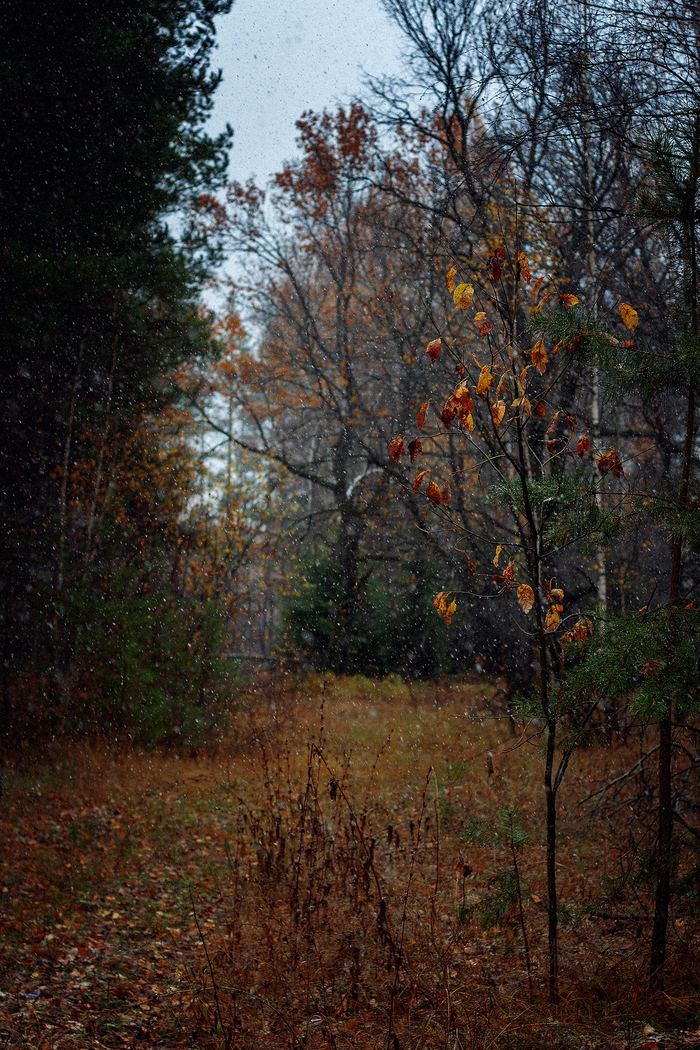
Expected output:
{"points": [[536, 288], [470, 563], [651, 668], [451, 609], [447, 416], [567, 300], [526, 597], [422, 414], [482, 323], [509, 575], [539, 410], [451, 278], [396, 450], [583, 446], [440, 602], [630, 317], [464, 398], [497, 412], [415, 449], [434, 349], [419, 480], [446, 494], [433, 494], [539, 357], [551, 621]]}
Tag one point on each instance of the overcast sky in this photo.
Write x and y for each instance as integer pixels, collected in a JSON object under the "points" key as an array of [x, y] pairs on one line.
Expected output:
{"points": [[280, 58]]}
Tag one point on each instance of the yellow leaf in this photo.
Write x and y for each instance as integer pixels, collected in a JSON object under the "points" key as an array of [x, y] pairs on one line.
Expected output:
{"points": [[526, 597], [485, 381], [630, 318], [497, 412], [451, 609], [451, 278], [469, 423], [463, 295], [497, 555], [551, 621], [440, 602], [567, 300]]}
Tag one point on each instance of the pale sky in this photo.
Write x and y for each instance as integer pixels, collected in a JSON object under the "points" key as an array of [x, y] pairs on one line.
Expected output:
{"points": [[280, 58]]}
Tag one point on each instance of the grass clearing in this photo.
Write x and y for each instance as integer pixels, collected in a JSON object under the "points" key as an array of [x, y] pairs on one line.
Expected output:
{"points": [[348, 884]]}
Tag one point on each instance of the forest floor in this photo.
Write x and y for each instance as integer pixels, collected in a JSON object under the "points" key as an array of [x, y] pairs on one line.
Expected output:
{"points": [[308, 883]]}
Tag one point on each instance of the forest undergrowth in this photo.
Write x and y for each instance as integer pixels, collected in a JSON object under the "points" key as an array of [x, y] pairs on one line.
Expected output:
{"points": [[356, 864]]}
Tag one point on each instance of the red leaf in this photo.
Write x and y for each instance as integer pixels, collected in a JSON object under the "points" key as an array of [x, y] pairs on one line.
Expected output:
{"points": [[396, 450]]}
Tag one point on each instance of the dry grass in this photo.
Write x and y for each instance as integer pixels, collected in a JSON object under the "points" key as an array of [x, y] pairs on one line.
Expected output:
{"points": [[338, 901], [360, 914]]}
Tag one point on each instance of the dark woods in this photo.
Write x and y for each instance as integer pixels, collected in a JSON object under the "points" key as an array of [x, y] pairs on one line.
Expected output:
{"points": [[298, 477]]}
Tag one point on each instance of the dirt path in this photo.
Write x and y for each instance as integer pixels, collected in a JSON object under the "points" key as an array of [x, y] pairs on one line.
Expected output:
{"points": [[98, 872]]}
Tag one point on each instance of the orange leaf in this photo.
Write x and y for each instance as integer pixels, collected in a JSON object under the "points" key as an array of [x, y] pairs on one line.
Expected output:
{"points": [[433, 494], [419, 480], [523, 268], [485, 381], [451, 609], [434, 349], [446, 494], [539, 357], [497, 412], [396, 450], [630, 318], [472, 570], [526, 597], [463, 295], [539, 410], [464, 398], [541, 303], [451, 278], [536, 288], [509, 575], [552, 620], [583, 446], [482, 323], [421, 417], [415, 449], [440, 602], [497, 555], [567, 300]]}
